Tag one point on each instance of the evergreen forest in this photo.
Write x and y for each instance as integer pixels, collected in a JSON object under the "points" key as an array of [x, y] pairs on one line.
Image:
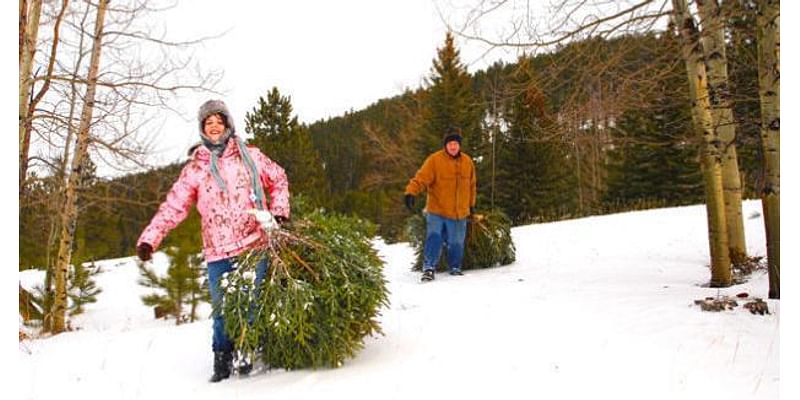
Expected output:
{"points": [[593, 127]]}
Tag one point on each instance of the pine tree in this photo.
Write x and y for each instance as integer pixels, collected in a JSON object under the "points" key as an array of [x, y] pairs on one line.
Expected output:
{"points": [[652, 161], [82, 288], [391, 153], [96, 233], [533, 175], [321, 297], [270, 121], [452, 103], [743, 62], [488, 242], [283, 139], [37, 223], [182, 286], [340, 145], [655, 152]]}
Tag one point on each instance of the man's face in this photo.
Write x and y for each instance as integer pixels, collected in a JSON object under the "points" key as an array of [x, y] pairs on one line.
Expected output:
{"points": [[453, 147]]}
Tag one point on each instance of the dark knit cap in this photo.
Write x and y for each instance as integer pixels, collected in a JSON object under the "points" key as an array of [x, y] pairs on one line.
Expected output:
{"points": [[452, 133]]}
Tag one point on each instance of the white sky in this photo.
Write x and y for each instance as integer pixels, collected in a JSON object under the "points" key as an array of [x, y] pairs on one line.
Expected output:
{"points": [[328, 56]]}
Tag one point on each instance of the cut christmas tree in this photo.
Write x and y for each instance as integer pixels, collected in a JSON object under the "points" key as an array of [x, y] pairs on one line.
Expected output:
{"points": [[321, 297], [488, 242]]}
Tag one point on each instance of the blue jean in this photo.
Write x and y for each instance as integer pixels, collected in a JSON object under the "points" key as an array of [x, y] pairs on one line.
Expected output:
{"points": [[219, 339], [446, 232]]}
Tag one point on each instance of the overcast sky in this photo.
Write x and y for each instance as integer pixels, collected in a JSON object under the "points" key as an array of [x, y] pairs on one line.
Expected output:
{"points": [[328, 56]]}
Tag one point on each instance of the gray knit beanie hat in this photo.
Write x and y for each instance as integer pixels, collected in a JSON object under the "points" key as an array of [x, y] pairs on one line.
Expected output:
{"points": [[213, 107]]}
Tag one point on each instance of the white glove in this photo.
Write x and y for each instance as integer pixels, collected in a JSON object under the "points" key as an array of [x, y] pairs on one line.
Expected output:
{"points": [[265, 218]]}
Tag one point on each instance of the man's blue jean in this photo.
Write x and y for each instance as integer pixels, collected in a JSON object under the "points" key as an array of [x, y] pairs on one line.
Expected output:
{"points": [[447, 232], [220, 340]]}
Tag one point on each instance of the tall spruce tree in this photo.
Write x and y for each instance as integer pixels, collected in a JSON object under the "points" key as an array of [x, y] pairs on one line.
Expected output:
{"points": [[533, 179], [340, 146], [655, 152], [282, 138], [743, 67], [452, 102], [96, 233], [38, 223], [390, 153], [652, 161]]}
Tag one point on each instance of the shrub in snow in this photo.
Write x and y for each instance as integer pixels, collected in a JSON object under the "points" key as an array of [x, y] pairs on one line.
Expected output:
{"points": [[35, 305], [743, 266], [717, 304], [757, 306], [321, 296], [488, 242], [82, 288], [723, 303], [181, 290]]}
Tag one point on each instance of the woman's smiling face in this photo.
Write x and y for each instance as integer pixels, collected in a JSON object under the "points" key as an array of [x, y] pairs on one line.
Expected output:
{"points": [[214, 127]]}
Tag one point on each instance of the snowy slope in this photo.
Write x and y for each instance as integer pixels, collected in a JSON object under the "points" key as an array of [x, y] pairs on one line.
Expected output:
{"points": [[598, 307]]}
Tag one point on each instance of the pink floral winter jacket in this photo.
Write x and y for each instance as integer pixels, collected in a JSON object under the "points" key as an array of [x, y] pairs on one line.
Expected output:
{"points": [[227, 227]]}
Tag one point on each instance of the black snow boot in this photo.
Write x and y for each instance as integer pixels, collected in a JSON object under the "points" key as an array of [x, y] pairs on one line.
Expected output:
{"points": [[223, 361], [245, 367], [427, 275]]}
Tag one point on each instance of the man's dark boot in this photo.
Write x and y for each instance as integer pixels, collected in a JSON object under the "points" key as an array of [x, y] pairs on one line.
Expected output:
{"points": [[223, 361], [427, 275]]}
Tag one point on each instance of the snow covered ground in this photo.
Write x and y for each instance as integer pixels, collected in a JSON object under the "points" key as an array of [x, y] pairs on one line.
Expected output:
{"points": [[598, 307]]}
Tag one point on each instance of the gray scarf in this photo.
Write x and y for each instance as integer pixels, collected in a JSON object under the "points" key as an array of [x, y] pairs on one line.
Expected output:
{"points": [[217, 148]]}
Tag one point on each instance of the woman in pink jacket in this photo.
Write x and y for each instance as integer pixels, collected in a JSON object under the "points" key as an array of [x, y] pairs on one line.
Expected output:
{"points": [[226, 179]]}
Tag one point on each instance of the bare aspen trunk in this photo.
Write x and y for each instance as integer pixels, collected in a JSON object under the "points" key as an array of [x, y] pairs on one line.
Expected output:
{"points": [[29, 18], [710, 153], [26, 121], [769, 90], [23, 22], [69, 214], [724, 124]]}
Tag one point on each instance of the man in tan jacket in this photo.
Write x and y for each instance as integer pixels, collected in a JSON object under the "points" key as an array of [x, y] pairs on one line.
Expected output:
{"points": [[448, 176]]}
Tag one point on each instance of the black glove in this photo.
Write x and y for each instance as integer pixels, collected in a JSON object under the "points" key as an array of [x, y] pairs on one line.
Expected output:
{"points": [[410, 199], [472, 211], [144, 251], [281, 220]]}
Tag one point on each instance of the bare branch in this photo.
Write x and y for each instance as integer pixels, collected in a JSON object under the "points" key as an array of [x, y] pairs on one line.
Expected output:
{"points": [[51, 63], [144, 36], [568, 25]]}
